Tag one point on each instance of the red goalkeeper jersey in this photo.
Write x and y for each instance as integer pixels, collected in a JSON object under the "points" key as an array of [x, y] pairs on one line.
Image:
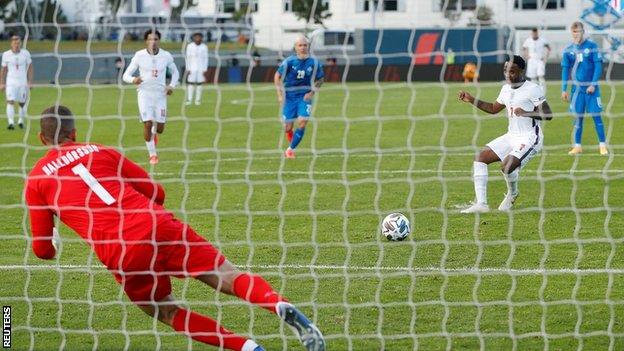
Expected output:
{"points": [[107, 199]]}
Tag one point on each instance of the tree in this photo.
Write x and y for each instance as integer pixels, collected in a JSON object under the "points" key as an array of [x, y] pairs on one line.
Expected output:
{"points": [[35, 13], [314, 11]]}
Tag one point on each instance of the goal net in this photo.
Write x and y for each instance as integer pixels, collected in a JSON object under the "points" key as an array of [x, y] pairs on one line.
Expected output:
{"points": [[387, 134]]}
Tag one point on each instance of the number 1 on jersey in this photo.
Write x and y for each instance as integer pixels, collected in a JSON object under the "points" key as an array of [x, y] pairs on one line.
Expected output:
{"points": [[82, 171]]}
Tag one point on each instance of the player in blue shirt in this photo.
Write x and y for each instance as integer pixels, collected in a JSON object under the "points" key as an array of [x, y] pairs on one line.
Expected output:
{"points": [[297, 79], [582, 63]]}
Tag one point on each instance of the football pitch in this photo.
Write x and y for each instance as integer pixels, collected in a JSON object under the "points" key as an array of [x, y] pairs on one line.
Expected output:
{"points": [[549, 275]]}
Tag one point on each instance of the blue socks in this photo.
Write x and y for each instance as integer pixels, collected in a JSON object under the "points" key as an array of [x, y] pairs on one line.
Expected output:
{"points": [[297, 137], [578, 129]]}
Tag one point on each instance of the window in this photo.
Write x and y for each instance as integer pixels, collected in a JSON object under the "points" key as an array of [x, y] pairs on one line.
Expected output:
{"points": [[457, 5], [539, 4], [380, 5], [231, 6], [337, 38], [287, 5]]}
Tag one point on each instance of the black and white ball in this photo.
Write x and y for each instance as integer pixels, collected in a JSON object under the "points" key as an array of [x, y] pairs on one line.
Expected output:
{"points": [[395, 227]]}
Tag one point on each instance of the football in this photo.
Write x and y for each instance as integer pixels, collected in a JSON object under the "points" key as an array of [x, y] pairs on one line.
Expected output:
{"points": [[395, 227]]}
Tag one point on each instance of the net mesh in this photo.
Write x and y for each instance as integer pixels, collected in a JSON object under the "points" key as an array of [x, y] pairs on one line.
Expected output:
{"points": [[546, 276]]}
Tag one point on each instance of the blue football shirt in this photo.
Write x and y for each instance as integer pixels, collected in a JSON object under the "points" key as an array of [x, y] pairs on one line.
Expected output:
{"points": [[298, 74], [582, 63]]}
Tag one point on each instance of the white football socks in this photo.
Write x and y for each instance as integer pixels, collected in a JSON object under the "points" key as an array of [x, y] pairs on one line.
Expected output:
{"points": [[10, 112], [249, 345], [512, 181], [198, 92], [151, 145], [480, 177], [190, 88], [22, 114]]}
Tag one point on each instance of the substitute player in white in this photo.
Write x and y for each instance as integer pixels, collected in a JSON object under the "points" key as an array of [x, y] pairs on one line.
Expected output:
{"points": [[526, 107], [152, 63], [536, 51], [16, 79], [196, 65]]}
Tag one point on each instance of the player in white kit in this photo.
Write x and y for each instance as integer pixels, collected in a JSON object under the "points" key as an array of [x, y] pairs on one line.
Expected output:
{"points": [[196, 65], [536, 51], [16, 79], [152, 63], [526, 107]]}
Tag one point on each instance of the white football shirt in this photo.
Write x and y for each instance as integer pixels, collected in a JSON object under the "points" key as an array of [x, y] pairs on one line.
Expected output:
{"points": [[196, 57], [528, 96], [152, 70], [17, 66], [536, 48]]}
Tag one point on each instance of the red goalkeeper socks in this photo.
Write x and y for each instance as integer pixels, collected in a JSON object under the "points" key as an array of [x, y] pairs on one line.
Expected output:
{"points": [[289, 135], [206, 330], [256, 290]]}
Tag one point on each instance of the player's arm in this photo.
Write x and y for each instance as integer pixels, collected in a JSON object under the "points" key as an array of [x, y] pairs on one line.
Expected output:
{"points": [[41, 225], [141, 181], [541, 112], [128, 73], [3, 72], [29, 75], [489, 107], [278, 80], [597, 59], [548, 50], [565, 75], [205, 59], [319, 78], [175, 76]]}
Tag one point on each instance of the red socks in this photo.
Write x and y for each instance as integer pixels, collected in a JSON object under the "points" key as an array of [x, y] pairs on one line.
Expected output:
{"points": [[206, 330], [256, 290], [289, 135]]}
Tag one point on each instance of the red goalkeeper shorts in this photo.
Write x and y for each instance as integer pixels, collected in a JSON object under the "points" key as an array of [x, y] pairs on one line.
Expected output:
{"points": [[179, 251]]}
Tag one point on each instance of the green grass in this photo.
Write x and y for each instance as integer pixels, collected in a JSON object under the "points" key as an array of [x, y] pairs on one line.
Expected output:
{"points": [[410, 150]]}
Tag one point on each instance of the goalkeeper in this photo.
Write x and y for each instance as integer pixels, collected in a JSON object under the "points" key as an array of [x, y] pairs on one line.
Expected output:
{"points": [[115, 206]]}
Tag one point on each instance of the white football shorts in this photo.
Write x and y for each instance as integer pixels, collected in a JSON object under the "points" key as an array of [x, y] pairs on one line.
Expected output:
{"points": [[17, 93], [535, 68], [152, 106], [522, 147], [195, 77]]}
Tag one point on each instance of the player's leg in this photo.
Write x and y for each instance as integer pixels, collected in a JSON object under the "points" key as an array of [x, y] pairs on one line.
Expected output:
{"points": [[199, 80], [577, 107], [10, 113], [303, 114], [22, 115], [289, 114], [594, 108], [254, 289], [493, 152], [152, 294], [541, 73], [524, 149]]}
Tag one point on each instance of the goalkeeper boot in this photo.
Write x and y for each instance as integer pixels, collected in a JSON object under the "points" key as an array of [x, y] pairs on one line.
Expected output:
{"points": [[477, 208], [290, 153], [603, 150], [508, 201], [11, 127], [575, 150], [309, 335]]}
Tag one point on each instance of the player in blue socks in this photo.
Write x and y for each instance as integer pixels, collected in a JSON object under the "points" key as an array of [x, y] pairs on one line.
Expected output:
{"points": [[297, 79], [582, 63]]}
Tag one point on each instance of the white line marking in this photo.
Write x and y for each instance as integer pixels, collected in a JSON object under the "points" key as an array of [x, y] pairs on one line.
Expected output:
{"points": [[398, 171], [430, 269]]}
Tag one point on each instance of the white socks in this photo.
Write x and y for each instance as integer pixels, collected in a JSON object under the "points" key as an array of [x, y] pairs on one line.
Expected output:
{"points": [[198, 93], [10, 112], [249, 345], [512, 181], [542, 83], [190, 88], [151, 145], [480, 177], [22, 114]]}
